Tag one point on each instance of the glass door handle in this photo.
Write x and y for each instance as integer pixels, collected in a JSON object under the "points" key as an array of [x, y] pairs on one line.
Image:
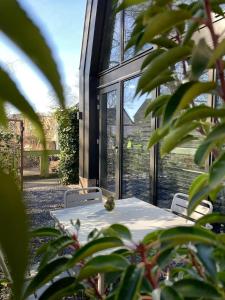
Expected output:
{"points": [[116, 148]]}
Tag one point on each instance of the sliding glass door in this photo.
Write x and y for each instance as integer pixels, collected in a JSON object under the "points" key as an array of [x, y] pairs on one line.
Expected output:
{"points": [[136, 130], [109, 140]]}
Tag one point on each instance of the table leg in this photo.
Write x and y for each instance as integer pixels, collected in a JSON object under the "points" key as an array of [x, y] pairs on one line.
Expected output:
{"points": [[4, 267], [101, 286]]}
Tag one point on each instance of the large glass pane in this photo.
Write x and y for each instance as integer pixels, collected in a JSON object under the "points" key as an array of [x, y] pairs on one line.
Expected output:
{"points": [[135, 155], [130, 15], [177, 170], [111, 45], [108, 140]]}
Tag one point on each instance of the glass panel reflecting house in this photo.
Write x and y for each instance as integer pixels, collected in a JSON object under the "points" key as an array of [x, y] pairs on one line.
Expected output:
{"points": [[111, 48], [136, 132], [108, 140], [113, 130], [130, 15]]}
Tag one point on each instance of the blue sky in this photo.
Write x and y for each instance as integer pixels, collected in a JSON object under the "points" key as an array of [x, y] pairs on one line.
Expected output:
{"points": [[61, 22]]}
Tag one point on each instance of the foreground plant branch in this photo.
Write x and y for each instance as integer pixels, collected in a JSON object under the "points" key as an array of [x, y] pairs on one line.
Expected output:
{"points": [[181, 113], [215, 39], [171, 268]]}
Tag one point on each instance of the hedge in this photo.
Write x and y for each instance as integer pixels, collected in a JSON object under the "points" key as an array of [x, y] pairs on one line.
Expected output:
{"points": [[68, 133]]}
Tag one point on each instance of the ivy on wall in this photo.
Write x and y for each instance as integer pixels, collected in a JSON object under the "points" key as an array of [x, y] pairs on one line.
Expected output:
{"points": [[68, 132], [10, 153]]}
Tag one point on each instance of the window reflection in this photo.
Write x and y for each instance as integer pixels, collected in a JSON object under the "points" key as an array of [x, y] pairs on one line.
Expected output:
{"points": [[111, 41], [136, 132], [177, 170], [108, 140], [130, 15]]}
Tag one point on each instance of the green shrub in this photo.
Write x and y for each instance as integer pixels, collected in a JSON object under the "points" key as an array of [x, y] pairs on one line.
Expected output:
{"points": [[10, 153], [68, 132]]}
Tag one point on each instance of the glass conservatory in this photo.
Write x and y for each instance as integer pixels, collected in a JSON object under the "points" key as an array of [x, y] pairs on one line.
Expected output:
{"points": [[114, 132]]}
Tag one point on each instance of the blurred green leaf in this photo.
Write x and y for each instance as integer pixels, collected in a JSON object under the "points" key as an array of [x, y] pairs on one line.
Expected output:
{"points": [[120, 231], [103, 264], [164, 257], [157, 135], [28, 38], [94, 234], [174, 101], [164, 42], [161, 63], [130, 285], [46, 274], [41, 249], [46, 231], [202, 152], [151, 56], [211, 219], [217, 133], [200, 58], [201, 194], [194, 91], [156, 103], [54, 247], [169, 293], [199, 112], [3, 119], [177, 136], [128, 3], [123, 251], [184, 95], [206, 256], [151, 237], [93, 247], [218, 53], [162, 22], [215, 136], [192, 26], [185, 234], [198, 183], [61, 288], [11, 94], [14, 240], [217, 9], [146, 288], [190, 272], [163, 2], [217, 171], [164, 77], [180, 28], [196, 289]]}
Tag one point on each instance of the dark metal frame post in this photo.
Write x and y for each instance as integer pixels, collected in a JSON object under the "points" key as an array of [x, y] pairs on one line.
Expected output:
{"points": [[89, 69]]}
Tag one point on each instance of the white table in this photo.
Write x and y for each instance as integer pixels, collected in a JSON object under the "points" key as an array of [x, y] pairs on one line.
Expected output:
{"points": [[140, 217]]}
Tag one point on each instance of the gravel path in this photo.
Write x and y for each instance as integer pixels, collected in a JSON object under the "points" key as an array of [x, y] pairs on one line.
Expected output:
{"points": [[40, 197]]}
